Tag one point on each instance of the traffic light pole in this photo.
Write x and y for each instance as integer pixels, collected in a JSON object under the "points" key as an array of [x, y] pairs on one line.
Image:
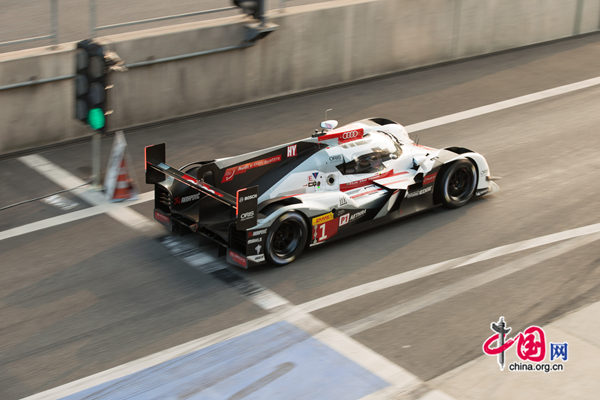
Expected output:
{"points": [[96, 155]]}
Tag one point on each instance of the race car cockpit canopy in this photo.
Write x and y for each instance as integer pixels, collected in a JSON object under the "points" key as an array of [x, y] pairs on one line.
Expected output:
{"points": [[368, 155]]}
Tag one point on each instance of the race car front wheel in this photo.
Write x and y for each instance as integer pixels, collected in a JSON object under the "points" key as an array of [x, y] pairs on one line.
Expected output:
{"points": [[458, 184], [286, 238]]}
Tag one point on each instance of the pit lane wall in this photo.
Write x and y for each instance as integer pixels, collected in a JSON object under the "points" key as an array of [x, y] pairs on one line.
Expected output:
{"points": [[315, 46]]}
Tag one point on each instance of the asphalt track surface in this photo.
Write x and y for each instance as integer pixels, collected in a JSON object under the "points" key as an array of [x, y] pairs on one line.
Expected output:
{"points": [[21, 19], [88, 295]]}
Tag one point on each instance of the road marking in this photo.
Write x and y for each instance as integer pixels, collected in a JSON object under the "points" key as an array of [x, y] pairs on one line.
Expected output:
{"points": [[418, 273], [65, 179], [70, 217], [464, 285], [64, 203], [502, 105], [401, 379]]}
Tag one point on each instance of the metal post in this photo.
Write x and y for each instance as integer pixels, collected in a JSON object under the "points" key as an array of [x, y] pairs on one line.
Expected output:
{"points": [[54, 19], [96, 161], [92, 18]]}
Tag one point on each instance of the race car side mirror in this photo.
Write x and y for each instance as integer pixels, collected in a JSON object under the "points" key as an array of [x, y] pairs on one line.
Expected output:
{"points": [[329, 124]]}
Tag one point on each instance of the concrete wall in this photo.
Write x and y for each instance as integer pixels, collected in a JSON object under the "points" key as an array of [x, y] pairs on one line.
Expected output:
{"points": [[315, 46]]}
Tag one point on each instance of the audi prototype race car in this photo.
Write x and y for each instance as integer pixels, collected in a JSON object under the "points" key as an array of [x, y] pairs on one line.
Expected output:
{"points": [[269, 205]]}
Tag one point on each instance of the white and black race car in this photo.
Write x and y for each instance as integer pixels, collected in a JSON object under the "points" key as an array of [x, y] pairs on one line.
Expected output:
{"points": [[269, 205]]}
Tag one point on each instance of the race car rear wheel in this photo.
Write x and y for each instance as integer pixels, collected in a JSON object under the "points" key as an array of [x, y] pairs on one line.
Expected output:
{"points": [[286, 238], [458, 184]]}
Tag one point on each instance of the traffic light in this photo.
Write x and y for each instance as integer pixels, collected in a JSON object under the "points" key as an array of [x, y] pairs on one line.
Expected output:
{"points": [[254, 8], [90, 84]]}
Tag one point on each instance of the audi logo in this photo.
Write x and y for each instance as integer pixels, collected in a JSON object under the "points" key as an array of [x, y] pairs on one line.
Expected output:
{"points": [[350, 135]]}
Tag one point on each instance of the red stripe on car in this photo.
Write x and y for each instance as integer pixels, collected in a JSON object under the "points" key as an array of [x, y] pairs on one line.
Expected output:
{"points": [[429, 178], [344, 187]]}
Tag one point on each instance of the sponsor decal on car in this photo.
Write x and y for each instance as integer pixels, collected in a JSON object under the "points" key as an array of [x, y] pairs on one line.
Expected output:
{"points": [[240, 169], [258, 232], [237, 258], [292, 150], [358, 215], [419, 192], [530, 346], [343, 201], [325, 230], [343, 137], [344, 219], [336, 158], [255, 240], [429, 178], [246, 198], [186, 199], [322, 218], [257, 258], [246, 216]]}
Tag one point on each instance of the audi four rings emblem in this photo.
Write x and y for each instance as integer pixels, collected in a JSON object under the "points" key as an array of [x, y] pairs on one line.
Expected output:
{"points": [[350, 135]]}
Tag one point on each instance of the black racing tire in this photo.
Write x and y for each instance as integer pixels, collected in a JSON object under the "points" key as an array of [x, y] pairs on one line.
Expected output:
{"points": [[458, 184], [286, 238]]}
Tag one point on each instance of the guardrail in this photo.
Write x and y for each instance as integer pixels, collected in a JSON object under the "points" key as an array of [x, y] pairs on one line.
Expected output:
{"points": [[53, 28], [94, 28]]}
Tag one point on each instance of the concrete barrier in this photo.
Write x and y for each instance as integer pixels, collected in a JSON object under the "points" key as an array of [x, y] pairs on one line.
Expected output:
{"points": [[315, 46]]}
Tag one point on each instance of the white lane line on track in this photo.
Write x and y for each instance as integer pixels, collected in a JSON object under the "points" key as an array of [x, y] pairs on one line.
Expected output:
{"points": [[502, 105], [422, 272], [67, 180], [72, 217], [464, 285]]}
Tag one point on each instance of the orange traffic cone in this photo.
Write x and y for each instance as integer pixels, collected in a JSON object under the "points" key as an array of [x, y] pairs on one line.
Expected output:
{"points": [[124, 186]]}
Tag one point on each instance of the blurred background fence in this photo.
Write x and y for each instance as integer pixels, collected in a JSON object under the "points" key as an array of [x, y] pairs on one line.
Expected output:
{"points": [[175, 70], [34, 23]]}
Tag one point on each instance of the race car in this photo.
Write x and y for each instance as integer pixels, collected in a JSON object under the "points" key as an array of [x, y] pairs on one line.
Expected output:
{"points": [[269, 205]]}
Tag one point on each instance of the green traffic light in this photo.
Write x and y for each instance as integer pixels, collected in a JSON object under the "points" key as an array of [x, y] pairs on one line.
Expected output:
{"points": [[96, 118]]}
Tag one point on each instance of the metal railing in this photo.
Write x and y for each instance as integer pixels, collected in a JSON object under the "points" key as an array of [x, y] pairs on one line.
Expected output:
{"points": [[93, 18], [53, 29], [94, 29]]}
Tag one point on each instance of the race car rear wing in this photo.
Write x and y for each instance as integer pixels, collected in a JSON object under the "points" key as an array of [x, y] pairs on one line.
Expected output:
{"points": [[245, 202]]}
